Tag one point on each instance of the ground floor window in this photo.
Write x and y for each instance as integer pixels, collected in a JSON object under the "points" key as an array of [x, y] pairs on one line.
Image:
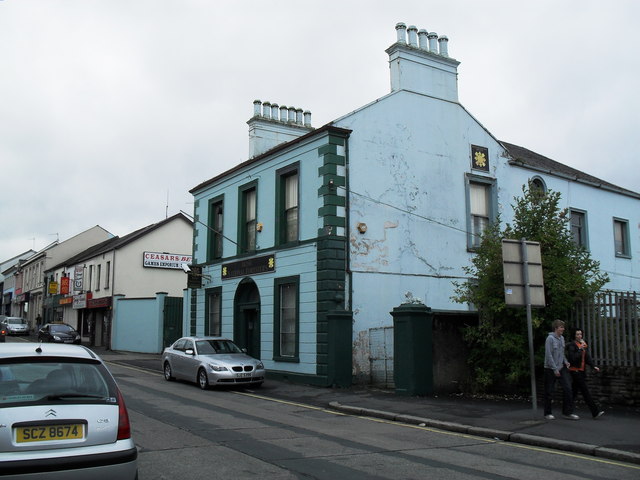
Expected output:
{"points": [[286, 315], [213, 312]]}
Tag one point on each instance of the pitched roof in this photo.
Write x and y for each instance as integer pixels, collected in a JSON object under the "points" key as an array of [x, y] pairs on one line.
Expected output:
{"points": [[526, 158], [325, 128], [118, 242]]}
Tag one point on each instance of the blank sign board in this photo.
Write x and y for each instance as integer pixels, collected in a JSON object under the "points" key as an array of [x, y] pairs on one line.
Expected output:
{"points": [[522, 269]]}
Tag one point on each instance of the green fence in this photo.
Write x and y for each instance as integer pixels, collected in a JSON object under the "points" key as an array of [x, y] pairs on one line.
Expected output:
{"points": [[611, 323]]}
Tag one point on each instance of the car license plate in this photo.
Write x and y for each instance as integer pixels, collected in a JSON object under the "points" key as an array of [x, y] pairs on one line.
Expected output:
{"points": [[243, 375], [43, 433]]}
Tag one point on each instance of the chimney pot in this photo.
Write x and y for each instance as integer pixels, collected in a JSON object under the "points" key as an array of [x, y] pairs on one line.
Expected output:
{"points": [[266, 110], [433, 42], [257, 108], [401, 29], [413, 36], [274, 111], [298, 116], [292, 114], [283, 113], [423, 41], [307, 118], [444, 49]]}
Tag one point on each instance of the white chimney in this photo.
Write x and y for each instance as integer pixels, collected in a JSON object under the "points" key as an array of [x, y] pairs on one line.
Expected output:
{"points": [[272, 125], [421, 69]]}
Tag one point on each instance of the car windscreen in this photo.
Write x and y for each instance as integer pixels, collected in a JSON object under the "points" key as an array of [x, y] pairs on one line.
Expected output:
{"points": [[61, 329], [208, 347], [15, 321], [54, 381]]}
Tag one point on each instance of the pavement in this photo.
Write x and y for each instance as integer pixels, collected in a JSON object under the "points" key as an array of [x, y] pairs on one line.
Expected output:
{"points": [[614, 436]]}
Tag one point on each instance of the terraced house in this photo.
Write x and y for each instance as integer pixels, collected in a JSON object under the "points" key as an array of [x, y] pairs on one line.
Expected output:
{"points": [[303, 250]]}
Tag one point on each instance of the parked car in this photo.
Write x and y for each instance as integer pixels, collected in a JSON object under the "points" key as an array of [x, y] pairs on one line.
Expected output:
{"points": [[16, 325], [58, 333], [62, 416], [211, 361]]}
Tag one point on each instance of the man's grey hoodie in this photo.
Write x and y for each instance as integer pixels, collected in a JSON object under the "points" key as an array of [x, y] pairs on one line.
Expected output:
{"points": [[554, 357]]}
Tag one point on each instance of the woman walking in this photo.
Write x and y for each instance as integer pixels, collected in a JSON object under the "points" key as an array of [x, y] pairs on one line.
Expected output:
{"points": [[578, 357]]}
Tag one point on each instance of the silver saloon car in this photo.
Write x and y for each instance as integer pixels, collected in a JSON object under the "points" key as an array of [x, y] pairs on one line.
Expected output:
{"points": [[16, 326], [211, 361], [62, 416]]}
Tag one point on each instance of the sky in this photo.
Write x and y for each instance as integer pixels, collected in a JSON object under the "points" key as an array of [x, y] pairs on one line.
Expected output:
{"points": [[112, 110]]}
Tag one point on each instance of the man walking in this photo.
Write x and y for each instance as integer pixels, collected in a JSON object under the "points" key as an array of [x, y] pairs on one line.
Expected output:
{"points": [[556, 368]]}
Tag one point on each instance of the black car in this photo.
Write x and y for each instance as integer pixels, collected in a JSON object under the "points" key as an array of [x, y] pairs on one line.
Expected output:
{"points": [[58, 333]]}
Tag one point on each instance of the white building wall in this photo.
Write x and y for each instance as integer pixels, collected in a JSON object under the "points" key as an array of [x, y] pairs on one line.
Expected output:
{"points": [[134, 280]]}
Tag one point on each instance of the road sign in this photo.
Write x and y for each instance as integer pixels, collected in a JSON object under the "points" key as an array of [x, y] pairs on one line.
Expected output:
{"points": [[522, 267]]}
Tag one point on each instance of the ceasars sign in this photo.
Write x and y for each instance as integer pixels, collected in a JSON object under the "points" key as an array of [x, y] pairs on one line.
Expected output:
{"points": [[165, 260]]}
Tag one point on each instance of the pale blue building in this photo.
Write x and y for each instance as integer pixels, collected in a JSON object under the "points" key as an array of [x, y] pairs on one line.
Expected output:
{"points": [[340, 222]]}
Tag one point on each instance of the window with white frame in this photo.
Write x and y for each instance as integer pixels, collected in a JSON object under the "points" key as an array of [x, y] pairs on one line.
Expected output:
{"points": [[287, 203], [286, 319], [291, 207], [621, 237], [248, 219], [214, 306], [107, 275], [480, 210]]}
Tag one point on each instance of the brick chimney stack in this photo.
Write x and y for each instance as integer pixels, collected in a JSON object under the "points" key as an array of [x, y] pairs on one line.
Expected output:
{"points": [[419, 62]]}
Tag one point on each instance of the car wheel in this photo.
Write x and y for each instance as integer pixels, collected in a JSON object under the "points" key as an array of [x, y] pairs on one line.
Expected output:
{"points": [[203, 380], [167, 372]]}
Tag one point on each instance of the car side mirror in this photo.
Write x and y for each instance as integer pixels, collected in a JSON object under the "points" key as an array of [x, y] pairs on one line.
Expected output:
{"points": [[189, 351], [244, 350]]}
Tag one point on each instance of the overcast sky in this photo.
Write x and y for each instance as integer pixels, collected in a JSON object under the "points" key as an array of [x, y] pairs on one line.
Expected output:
{"points": [[110, 107]]}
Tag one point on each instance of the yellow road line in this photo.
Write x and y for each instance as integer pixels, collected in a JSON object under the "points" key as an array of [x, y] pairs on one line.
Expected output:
{"points": [[287, 402], [130, 367]]}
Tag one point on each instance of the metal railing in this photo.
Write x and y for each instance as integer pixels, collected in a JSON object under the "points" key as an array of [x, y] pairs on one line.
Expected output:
{"points": [[611, 321]]}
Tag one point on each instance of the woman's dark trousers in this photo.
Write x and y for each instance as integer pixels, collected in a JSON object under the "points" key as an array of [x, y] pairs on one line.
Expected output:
{"points": [[579, 384]]}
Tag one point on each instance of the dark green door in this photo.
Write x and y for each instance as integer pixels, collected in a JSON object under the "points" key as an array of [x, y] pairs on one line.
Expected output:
{"points": [[172, 324], [246, 322], [249, 330]]}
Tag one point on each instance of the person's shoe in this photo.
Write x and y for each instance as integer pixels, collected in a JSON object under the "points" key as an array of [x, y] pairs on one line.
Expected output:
{"points": [[573, 416], [599, 414], [549, 417]]}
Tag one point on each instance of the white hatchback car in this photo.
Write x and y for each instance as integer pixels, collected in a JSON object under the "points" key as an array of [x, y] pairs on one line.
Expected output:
{"points": [[62, 416], [211, 361]]}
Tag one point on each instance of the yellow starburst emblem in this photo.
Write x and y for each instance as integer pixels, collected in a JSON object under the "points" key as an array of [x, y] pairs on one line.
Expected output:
{"points": [[480, 159]]}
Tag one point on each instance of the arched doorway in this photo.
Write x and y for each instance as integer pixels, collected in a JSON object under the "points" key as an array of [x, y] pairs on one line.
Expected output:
{"points": [[246, 317]]}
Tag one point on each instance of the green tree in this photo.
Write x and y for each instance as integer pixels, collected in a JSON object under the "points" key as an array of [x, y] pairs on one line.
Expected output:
{"points": [[498, 345]]}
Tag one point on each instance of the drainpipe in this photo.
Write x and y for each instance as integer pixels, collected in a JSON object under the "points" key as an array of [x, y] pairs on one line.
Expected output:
{"points": [[348, 302], [113, 293]]}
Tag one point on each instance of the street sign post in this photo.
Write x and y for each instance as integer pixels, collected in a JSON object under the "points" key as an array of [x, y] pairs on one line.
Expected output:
{"points": [[524, 286]]}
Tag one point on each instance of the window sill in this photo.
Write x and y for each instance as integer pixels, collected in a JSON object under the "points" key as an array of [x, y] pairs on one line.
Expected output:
{"points": [[277, 358]]}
